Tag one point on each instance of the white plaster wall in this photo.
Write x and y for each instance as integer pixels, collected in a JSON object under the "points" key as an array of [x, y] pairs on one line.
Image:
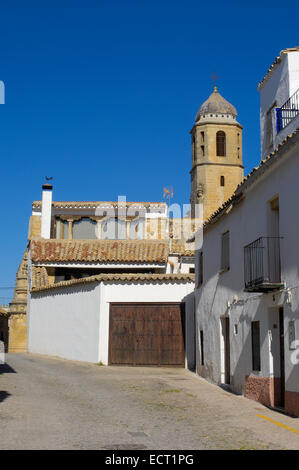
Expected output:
{"points": [[293, 63], [120, 292], [190, 332], [185, 267], [177, 266], [247, 222], [275, 88], [73, 322], [65, 322], [281, 84]]}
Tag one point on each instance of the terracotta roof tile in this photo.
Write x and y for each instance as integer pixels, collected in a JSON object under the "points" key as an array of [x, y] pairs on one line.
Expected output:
{"points": [[181, 247], [136, 277], [142, 251], [95, 204]]}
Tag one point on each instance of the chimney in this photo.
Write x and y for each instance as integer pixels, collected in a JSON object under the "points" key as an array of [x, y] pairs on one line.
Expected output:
{"points": [[46, 210]]}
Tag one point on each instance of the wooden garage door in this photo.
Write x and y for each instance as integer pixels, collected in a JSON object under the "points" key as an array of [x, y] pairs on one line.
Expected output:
{"points": [[146, 334]]}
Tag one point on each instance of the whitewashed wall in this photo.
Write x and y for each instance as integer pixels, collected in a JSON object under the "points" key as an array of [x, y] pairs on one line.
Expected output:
{"points": [[65, 322], [282, 82], [247, 222], [73, 322]]}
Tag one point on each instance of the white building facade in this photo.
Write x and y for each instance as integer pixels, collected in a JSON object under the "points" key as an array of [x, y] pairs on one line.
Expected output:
{"points": [[247, 286]]}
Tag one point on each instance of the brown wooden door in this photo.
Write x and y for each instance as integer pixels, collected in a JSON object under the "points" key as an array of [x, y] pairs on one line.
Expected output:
{"points": [[146, 334]]}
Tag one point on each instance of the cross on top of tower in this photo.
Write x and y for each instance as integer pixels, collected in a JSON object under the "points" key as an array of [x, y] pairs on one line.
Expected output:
{"points": [[215, 78]]}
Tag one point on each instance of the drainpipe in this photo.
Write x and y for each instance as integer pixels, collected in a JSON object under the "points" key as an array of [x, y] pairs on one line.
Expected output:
{"points": [[46, 210]]}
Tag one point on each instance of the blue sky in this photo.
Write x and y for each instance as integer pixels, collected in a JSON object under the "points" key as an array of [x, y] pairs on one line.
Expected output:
{"points": [[102, 95]]}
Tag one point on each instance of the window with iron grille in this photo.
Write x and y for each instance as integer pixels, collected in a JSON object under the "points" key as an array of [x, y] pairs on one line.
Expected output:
{"points": [[225, 265], [220, 144], [269, 126], [256, 349]]}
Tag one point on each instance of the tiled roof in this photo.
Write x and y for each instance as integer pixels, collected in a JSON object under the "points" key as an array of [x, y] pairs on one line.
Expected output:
{"points": [[142, 251], [95, 204], [181, 247], [126, 278], [216, 104], [277, 61]]}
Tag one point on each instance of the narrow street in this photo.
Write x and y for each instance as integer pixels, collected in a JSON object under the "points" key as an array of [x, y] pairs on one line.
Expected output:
{"points": [[49, 403]]}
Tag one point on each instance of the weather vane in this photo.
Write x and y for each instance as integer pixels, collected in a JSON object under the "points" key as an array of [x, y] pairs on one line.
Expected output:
{"points": [[168, 192]]}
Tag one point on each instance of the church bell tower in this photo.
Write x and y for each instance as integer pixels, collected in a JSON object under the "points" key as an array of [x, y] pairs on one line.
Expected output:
{"points": [[216, 140]]}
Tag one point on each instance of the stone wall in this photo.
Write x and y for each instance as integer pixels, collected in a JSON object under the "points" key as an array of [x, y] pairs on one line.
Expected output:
{"points": [[17, 310]]}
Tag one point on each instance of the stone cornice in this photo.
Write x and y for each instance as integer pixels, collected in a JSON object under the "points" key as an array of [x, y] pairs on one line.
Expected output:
{"points": [[217, 123], [216, 164]]}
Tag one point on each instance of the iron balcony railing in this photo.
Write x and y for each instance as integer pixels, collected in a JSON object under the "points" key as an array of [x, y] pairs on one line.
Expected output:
{"points": [[288, 111], [262, 265]]}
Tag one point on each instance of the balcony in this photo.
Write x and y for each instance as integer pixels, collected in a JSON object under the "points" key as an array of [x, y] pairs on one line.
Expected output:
{"points": [[262, 265], [288, 111]]}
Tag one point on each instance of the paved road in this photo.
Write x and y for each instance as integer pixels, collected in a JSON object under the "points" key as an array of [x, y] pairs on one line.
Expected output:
{"points": [[49, 403]]}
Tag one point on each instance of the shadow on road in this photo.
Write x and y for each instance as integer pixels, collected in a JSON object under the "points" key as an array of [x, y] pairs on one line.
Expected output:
{"points": [[4, 395], [227, 389], [6, 369]]}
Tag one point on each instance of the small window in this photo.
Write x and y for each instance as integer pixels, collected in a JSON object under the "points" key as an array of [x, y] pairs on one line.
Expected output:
{"points": [[202, 135], [202, 150], [222, 181], [202, 356], [62, 229], [193, 148], [256, 350], [220, 144], [225, 265], [200, 269], [269, 130]]}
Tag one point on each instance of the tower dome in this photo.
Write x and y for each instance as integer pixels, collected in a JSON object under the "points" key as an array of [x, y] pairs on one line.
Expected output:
{"points": [[217, 106], [216, 155]]}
